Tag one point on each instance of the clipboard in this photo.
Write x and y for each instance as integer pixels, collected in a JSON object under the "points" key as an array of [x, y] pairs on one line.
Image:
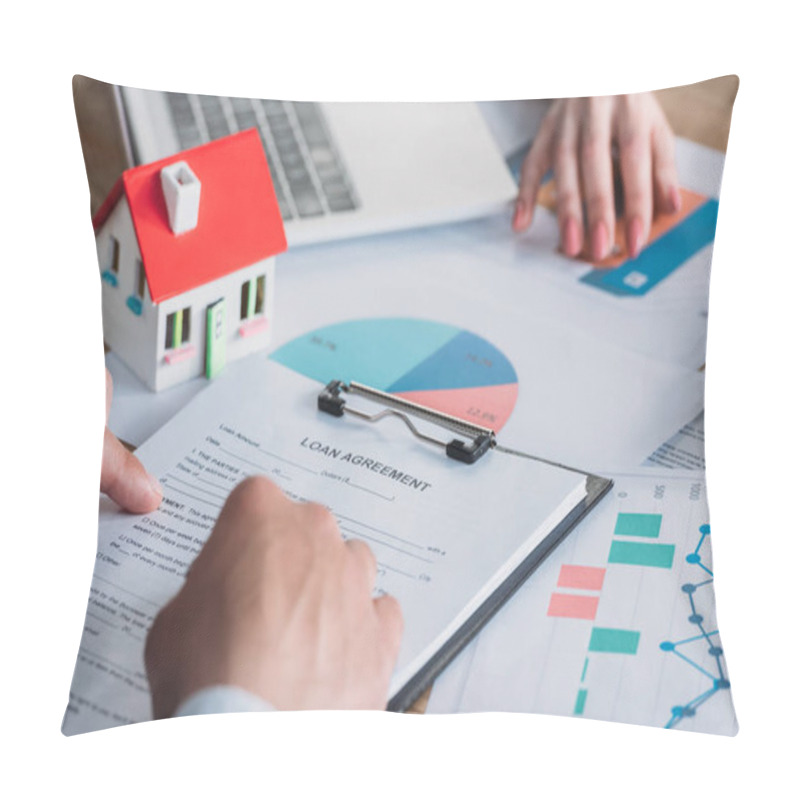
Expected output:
{"points": [[466, 443], [493, 532]]}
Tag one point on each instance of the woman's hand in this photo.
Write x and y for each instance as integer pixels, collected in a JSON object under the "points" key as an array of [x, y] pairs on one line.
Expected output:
{"points": [[577, 139]]}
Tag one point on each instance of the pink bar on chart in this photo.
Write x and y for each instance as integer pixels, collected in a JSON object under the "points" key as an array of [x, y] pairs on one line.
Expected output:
{"points": [[575, 577], [574, 606]]}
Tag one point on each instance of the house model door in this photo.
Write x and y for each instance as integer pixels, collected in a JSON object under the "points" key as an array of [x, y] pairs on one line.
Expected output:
{"points": [[215, 338]]}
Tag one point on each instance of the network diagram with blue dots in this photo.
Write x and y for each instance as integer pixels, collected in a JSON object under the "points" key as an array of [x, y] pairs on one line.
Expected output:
{"points": [[717, 679]]}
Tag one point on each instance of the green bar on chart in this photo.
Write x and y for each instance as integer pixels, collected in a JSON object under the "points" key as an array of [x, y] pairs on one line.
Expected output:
{"points": [[580, 702], [614, 640], [641, 554], [644, 525]]}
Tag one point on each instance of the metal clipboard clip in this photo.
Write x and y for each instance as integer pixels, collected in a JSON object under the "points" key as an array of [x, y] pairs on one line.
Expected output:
{"points": [[479, 439]]}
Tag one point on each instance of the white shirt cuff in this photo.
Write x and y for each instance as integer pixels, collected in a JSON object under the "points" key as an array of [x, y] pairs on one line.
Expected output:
{"points": [[221, 700]]}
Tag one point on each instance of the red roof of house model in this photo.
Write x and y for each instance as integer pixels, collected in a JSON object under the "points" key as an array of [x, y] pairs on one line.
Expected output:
{"points": [[239, 222]]}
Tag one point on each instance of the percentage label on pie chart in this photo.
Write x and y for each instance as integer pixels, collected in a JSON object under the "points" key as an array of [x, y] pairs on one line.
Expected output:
{"points": [[439, 366]]}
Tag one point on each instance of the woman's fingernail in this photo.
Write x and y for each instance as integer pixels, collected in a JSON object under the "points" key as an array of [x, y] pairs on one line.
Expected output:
{"points": [[599, 241], [634, 237], [675, 198], [571, 237]]}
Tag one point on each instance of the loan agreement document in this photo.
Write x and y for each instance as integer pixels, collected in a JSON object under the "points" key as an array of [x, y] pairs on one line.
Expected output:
{"points": [[444, 534]]}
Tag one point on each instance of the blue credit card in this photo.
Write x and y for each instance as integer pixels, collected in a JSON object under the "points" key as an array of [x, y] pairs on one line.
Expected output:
{"points": [[637, 276]]}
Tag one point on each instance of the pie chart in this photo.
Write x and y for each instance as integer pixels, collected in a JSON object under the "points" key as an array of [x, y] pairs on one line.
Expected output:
{"points": [[438, 366]]}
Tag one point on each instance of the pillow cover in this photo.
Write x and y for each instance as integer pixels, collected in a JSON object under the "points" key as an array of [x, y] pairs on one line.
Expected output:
{"points": [[231, 233]]}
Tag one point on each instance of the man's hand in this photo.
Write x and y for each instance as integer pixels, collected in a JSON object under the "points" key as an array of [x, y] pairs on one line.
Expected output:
{"points": [[576, 140], [122, 476], [278, 604]]}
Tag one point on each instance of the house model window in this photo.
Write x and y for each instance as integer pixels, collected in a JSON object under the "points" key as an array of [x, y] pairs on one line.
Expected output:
{"points": [[261, 288], [134, 302], [178, 328], [114, 261], [253, 297], [111, 272], [140, 279]]}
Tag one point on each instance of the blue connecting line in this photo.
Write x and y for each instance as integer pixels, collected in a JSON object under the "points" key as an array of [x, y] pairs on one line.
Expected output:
{"points": [[692, 663], [719, 681], [690, 709], [695, 638], [703, 534]]}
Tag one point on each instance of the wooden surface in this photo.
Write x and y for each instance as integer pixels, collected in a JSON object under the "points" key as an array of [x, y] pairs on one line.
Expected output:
{"points": [[700, 112], [101, 136]]}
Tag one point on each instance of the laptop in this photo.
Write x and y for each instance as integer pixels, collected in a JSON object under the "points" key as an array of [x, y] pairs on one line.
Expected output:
{"points": [[340, 169]]}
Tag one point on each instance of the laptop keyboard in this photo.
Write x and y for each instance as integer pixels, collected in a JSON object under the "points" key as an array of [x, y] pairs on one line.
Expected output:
{"points": [[309, 177]]}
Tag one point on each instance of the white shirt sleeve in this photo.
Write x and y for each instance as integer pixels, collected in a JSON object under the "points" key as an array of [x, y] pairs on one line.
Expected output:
{"points": [[513, 123], [221, 700]]}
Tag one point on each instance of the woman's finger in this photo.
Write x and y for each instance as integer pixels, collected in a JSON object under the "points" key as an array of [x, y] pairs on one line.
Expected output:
{"points": [[665, 173], [534, 167], [565, 166], [597, 175], [636, 167]]}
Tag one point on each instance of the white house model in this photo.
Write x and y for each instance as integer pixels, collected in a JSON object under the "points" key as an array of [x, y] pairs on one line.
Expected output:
{"points": [[186, 248]]}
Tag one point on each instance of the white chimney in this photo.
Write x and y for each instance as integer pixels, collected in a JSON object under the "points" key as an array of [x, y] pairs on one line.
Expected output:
{"points": [[181, 189]]}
